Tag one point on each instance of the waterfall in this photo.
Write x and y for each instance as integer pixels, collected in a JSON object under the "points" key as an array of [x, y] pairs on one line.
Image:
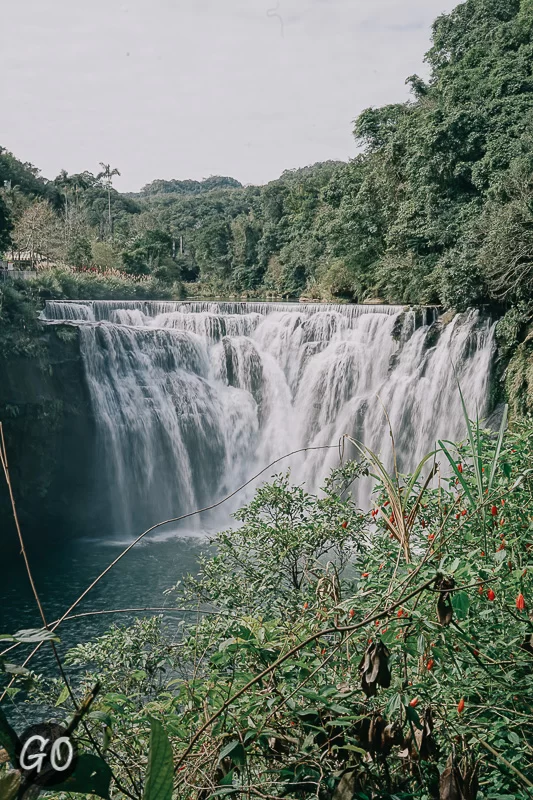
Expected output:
{"points": [[191, 399]]}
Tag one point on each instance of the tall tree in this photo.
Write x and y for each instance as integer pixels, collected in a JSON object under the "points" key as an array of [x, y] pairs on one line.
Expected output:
{"points": [[106, 176], [5, 226]]}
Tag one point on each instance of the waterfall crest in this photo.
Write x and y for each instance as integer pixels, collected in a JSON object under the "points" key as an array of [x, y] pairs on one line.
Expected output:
{"points": [[191, 399]]}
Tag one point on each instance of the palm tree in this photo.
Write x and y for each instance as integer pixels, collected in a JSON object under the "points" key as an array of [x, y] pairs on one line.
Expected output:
{"points": [[64, 181], [107, 175]]}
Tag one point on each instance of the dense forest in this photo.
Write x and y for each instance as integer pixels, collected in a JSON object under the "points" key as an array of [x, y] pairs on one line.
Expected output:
{"points": [[436, 208], [320, 650]]}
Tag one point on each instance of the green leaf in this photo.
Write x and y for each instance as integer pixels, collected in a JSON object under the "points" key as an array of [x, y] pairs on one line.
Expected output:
{"points": [[459, 475], [394, 705], [412, 716], [34, 635], [461, 604], [503, 428], [235, 751], [9, 785], [62, 697], [8, 737], [91, 776], [159, 777]]}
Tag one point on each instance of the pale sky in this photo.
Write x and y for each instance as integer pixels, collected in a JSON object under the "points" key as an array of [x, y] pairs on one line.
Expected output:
{"points": [[192, 88]]}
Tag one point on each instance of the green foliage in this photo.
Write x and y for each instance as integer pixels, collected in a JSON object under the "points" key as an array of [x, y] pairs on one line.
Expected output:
{"points": [[285, 534], [79, 253], [160, 773], [149, 253], [190, 187], [92, 776], [65, 284], [328, 659], [436, 209], [19, 329], [6, 226]]}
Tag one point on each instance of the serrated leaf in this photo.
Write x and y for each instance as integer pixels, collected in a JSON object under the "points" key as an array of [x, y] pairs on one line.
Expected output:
{"points": [[160, 773]]}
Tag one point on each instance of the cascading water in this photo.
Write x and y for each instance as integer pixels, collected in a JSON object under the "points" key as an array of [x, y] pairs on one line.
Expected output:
{"points": [[192, 398]]}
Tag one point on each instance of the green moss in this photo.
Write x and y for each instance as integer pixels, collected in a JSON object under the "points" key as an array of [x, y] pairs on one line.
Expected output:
{"points": [[519, 379]]}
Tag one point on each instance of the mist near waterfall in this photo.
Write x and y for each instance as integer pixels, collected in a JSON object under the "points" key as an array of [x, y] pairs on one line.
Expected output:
{"points": [[191, 399]]}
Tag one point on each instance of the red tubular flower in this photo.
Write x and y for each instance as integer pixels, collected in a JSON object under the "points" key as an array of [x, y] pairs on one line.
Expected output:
{"points": [[494, 511], [521, 602], [430, 664], [344, 524], [414, 702], [459, 467], [461, 705], [351, 613], [490, 595]]}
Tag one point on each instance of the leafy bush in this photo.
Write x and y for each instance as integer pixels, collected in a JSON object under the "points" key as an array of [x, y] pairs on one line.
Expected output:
{"points": [[340, 653], [92, 284]]}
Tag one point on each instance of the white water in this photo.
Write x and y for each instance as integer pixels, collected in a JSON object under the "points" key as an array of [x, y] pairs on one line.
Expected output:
{"points": [[192, 399]]}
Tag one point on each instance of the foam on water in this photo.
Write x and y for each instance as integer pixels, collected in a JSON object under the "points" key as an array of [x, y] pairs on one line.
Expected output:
{"points": [[192, 398]]}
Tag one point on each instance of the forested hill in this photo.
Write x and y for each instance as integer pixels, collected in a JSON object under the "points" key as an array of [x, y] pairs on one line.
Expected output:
{"points": [[436, 208]]}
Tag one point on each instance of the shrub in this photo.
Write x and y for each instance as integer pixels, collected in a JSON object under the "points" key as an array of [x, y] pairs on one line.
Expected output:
{"points": [[343, 653]]}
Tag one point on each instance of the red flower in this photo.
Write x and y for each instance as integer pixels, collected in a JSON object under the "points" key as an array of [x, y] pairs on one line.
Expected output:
{"points": [[400, 612], [351, 613], [345, 524], [521, 602], [481, 590], [431, 537], [459, 467], [414, 702], [464, 512], [306, 606], [490, 595], [494, 511], [423, 523], [461, 705], [430, 664], [365, 574], [475, 652]]}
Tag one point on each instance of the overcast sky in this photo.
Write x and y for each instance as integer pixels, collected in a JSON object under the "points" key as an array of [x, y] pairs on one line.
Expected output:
{"points": [[192, 88]]}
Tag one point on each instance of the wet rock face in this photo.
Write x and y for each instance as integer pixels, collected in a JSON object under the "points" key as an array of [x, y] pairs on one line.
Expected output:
{"points": [[48, 427]]}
